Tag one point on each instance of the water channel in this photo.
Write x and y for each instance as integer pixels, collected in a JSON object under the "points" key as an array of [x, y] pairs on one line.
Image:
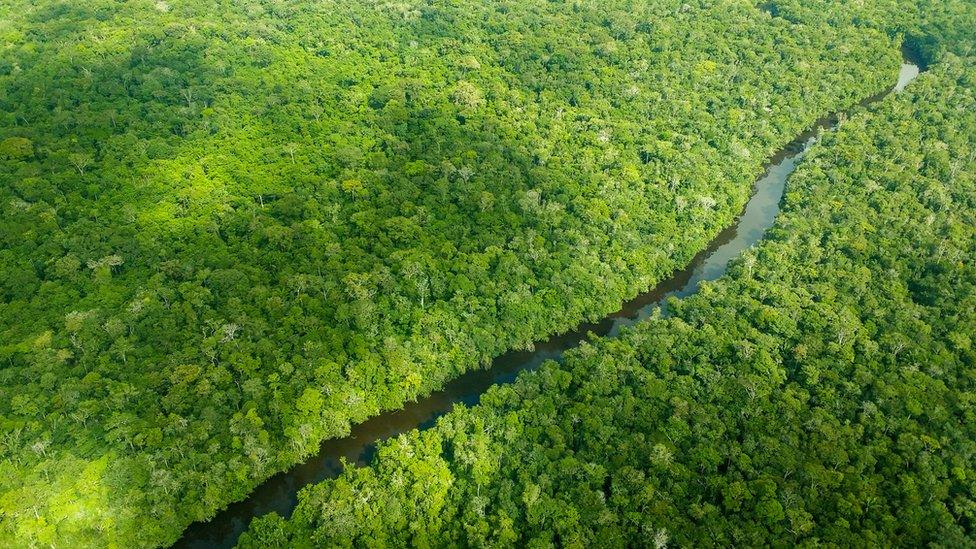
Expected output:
{"points": [[280, 492]]}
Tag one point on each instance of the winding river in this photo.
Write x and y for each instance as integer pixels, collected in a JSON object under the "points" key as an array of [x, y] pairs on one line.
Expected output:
{"points": [[280, 492]]}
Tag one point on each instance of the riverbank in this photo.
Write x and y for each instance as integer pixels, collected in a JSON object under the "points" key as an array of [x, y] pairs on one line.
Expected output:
{"points": [[280, 493], [818, 392]]}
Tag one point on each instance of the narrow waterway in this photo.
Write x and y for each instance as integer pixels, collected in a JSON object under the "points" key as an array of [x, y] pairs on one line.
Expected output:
{"points": [[280, 492]]}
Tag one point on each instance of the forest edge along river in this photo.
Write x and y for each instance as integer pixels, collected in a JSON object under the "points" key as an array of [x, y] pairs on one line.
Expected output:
{"points": [[280, 492]]}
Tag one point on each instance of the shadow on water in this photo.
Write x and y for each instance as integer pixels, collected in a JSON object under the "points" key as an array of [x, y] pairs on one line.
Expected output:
{"points": [[280, 492]]}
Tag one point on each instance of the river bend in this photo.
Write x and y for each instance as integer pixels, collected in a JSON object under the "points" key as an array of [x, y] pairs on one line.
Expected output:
{"points": [[280, 492]]}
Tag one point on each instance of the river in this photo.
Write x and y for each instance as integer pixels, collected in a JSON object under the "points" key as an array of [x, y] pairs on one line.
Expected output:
{"points": [[280, 492]]}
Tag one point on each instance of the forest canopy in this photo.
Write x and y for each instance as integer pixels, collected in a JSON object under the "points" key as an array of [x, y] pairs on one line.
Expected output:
{"points": [[230, 230]]}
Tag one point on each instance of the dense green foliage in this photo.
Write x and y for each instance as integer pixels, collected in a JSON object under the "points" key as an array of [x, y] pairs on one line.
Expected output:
{"points": [[930, 26], [230, 229], [821, 393]]}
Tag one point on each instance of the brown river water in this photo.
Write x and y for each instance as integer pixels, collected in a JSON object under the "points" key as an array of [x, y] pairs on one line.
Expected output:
{"points": [[280, 492]]}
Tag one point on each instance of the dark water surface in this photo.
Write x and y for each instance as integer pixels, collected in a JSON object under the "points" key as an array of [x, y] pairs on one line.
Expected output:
{"points": [[280, 492]]}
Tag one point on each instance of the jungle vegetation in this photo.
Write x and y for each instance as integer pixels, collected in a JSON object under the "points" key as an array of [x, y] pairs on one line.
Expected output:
{"points": [[228, 230], [821, 393]]}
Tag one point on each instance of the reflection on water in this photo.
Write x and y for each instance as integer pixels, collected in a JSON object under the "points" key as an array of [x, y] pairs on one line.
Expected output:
{"points": [[908, 73]]}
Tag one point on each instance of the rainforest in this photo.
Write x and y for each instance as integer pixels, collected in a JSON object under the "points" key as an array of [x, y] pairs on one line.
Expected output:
{"points": [[533, 273]]}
